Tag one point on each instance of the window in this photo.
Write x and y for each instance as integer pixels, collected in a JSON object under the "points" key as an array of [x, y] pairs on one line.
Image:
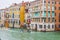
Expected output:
{"points": [[59, 8], [48, 1], [52, 26], [44, 1], [55, 14], [13, 15], [55, 8], [40, 26], [16, 22], [55, 2], [59, 25], [36, 25], [32, 25], [52, 2], [59, 20], [44, 19], [55, 25], [48, 13], [52, 13], [44, 14], [26, 10], [36, 14], [19, 8], [41, 11], [48, 19], [11, 21], [7, 15], [10, 16], [48, 26], [59, 15], [26, 4], [36, 20], [45, 26], [53, 20]]}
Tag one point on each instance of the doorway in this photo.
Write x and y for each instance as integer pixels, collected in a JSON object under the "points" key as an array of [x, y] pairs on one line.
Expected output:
{"points": [[35, 27]]}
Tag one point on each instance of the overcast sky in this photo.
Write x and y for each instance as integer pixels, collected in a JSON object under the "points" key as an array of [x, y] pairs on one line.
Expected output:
{"points": [[7, 3]]}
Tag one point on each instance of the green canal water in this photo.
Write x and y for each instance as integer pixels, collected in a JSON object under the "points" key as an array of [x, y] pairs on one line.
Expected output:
{"points": [[17, 35]]}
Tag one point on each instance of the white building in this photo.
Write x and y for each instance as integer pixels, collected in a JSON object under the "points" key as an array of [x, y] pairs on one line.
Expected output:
{"points": [[42, 15], [2, 17]]}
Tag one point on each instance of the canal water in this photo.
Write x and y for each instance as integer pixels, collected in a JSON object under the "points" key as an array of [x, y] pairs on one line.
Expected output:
{"points": [[15, 34]]}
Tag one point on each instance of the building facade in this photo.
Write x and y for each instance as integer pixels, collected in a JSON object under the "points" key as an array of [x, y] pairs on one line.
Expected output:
{"points": [[42, 12], [44, 15], [14, 19], [12, 15], [57, 15], [2, 17]]}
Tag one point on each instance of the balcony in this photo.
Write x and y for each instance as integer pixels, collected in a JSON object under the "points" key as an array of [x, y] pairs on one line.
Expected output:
{"points": [[36, 15], [36, 10]]}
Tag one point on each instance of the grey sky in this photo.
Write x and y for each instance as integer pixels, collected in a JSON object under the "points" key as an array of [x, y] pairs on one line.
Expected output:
{"points": [[7, 3]]}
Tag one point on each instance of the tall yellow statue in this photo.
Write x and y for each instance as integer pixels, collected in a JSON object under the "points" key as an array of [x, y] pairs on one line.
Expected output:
{"points": [[22, 14]]}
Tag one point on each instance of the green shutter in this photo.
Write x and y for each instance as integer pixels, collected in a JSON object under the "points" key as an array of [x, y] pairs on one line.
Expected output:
{"points": [[36, 14], [53, 13], [48, 13], [44, 14]]}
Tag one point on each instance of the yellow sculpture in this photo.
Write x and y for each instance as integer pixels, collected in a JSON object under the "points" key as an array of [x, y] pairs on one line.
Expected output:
{"points": [[22, 14]]}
